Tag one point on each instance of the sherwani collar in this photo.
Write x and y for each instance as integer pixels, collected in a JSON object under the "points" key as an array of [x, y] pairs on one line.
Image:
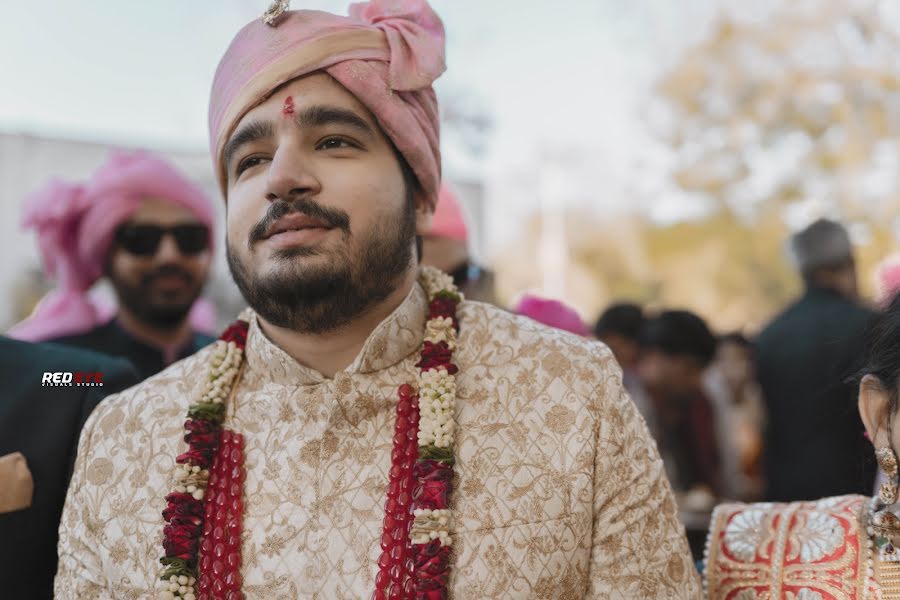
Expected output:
{"points": [[393, 340]]}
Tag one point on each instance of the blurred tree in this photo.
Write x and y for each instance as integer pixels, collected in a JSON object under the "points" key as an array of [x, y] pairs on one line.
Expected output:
{"points": [[773, 123], [801, 110]]}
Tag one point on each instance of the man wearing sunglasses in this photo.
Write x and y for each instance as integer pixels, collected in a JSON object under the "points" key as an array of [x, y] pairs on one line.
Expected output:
{"points": [[148, 230]]}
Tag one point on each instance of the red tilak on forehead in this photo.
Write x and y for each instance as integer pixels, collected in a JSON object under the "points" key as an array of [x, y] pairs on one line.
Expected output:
{"points": [[288, 108]]}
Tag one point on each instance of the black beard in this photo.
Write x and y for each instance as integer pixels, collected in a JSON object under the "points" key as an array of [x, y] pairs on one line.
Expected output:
{"points": [[135, 298], [324, 298]]}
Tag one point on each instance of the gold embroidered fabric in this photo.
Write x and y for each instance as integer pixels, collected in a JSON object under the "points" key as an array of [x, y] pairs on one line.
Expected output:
{"points": [[560, 490]]}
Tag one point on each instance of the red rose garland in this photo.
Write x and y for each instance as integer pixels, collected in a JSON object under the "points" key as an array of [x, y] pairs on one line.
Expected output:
{"points": [[204, 513]]}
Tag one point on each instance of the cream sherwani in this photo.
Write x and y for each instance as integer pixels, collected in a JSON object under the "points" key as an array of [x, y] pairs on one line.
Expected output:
{"points": [[560, 490]]}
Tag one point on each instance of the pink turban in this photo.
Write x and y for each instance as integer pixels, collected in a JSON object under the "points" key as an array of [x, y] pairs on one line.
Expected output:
{"points": [[552, 313], [888, 275], [448, 220], [387, 53], [75, 225]]}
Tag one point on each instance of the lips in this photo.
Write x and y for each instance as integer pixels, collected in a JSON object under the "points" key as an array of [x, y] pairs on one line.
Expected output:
{"points": [[294, 222], [167, 277], [169, 281]]}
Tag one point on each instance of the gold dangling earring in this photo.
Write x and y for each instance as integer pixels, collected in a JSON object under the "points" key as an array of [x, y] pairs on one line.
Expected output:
{"points": [[887, 460], [884, 526]]}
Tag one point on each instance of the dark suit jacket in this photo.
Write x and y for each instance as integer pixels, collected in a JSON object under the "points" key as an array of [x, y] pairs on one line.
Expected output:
{"points": [[44, 423], [112, 339], [814, 443]]}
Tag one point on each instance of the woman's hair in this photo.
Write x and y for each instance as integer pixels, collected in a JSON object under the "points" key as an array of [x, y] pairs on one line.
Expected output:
{"points": [[882, 357]]}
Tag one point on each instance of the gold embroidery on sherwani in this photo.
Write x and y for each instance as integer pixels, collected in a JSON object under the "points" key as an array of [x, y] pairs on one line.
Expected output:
{"points": [[560, 490]]}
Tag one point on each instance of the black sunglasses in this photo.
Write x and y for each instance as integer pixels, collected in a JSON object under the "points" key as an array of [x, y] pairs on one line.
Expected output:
{"points": [[143, 240]]}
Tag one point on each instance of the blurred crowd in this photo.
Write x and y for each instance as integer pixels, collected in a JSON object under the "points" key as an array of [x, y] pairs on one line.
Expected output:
{"points": [[751, 415]]}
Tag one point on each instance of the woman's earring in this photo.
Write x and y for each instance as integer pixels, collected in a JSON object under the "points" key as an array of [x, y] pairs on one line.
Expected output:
{"points": [[887, 460]]}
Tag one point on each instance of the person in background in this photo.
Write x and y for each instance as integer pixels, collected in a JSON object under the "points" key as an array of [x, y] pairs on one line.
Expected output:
{"points": [[144, 226], [887, 275], [446, 247], [740, 415], [676, 349], [39, 429], [552, 313], [835, 547], [814, 444], [619, 327]]}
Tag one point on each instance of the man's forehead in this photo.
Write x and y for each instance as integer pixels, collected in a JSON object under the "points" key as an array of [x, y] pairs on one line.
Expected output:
{"points": [[310, 90], [160, 210]]}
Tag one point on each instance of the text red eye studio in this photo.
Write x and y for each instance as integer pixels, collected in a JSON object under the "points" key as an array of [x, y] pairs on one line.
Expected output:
{"points": [[71, 378]]}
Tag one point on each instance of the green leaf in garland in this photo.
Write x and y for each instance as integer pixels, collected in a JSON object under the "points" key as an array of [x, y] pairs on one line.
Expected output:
{"points": [[432, 452], [209, 411], [448, 295], [176, 567]]}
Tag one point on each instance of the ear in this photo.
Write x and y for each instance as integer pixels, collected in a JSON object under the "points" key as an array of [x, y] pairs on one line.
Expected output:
{"points": [[874, 409], [424, 214]]}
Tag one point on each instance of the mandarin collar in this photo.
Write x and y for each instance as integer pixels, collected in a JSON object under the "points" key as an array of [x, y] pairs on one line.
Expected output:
{"points": [[393, 340]]}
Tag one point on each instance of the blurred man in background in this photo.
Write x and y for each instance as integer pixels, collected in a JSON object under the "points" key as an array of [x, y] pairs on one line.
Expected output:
{"points": [[814, 443], [148, 229], [39, 428], [619, 327], [446, 247], [676, 348]]}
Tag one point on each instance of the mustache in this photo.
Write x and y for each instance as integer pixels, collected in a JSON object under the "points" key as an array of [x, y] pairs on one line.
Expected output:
{"points": [[166, 271], [331, 217]]}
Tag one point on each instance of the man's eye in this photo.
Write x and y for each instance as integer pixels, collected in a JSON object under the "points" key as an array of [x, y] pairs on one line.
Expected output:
{"points": [[334, 143], [247, 163]]}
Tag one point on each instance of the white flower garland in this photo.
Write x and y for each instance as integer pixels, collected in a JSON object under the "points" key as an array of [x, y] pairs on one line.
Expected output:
{"points": [[178, 587], [191, 479], [437, 408]]}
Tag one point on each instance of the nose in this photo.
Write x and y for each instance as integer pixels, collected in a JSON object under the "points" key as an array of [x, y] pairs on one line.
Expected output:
{"points": [[291, 173], [168, 249]]}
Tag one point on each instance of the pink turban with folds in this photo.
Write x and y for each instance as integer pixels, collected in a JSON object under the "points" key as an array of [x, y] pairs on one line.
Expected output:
{"points": [[552, 313], [75, 225], [387, 53]]}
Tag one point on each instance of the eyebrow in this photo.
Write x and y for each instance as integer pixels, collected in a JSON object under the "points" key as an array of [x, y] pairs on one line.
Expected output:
{"points": [[249, 133], [319, 115], [313, 116]]}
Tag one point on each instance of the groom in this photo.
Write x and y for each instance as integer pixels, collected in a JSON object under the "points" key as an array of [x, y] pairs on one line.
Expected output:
{"points": [[362, 432]]}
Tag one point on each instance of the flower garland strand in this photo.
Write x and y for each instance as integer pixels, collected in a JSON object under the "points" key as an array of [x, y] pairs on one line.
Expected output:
{"points": [[185, 512], [434, 467], [204, 513], [415, 542]]}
